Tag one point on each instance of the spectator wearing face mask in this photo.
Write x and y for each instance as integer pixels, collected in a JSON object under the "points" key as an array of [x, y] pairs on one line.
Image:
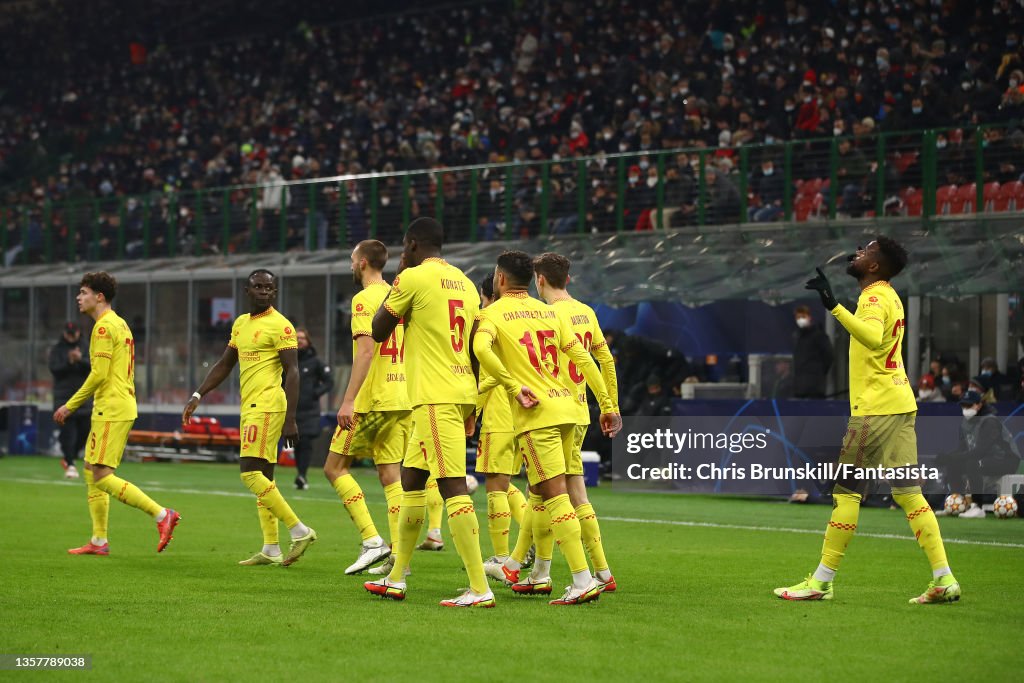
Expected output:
{"points": [[769, 187], [989, 377], [986, 449], [812, 356], [927, 392]]}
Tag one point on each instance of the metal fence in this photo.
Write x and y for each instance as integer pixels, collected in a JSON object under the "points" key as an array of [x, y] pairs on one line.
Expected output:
{"points": [[917, 174]]}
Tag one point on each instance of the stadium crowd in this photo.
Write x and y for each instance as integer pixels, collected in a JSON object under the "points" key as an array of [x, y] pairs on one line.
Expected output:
{"points": [[123, 110]]}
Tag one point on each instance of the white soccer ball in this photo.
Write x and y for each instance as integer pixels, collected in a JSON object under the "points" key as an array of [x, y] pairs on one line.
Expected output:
{"points": [[1005, 507], [471, 483], [955, 504]]}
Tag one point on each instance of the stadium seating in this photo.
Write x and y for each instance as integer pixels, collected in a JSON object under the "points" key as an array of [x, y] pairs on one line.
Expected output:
{"points": [[73, 148]]}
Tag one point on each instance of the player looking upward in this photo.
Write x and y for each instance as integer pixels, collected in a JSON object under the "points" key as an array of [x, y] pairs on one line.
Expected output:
{"points": [[881, 428], [374, 417], [112, 379], [552, 272], [438, 304], [518, 341], [263, 344]]}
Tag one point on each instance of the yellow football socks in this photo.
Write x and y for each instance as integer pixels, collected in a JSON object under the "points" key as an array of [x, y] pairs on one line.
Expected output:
{"points": [[926, 529], [516, 504], [268, 524], [565, 529], [99, 507], [591, 532], [266, 492], [355, 504], [542, 538], [465, 529], [841, 527], [524, 540], [499, 519], [410, 521], [393, 496], [435, 505], [129, 494]]}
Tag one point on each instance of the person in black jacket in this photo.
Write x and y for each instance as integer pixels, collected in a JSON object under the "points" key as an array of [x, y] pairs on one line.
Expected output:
{"points": [[69, 364], [812, 356], [315, 380], [985, 449]]}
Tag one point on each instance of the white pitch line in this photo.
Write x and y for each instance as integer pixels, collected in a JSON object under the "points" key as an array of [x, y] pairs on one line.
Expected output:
{"points": [[790, 530], [604, 518]]}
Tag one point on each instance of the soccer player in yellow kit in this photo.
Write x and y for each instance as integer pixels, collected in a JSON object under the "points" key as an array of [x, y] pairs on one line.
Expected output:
{"points": [[552, 272], [112, 380], [438, 304], [498, 459], [263, 344], [518, 342], [881, 428], [374, 417]]}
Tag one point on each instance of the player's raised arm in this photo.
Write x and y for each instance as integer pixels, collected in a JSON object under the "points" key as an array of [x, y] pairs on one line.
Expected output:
{"points": [[217, 374], [384, 320], [866, 326]]}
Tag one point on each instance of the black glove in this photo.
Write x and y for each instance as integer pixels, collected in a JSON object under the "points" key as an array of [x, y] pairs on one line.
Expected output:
{"points": [[821, 285]]}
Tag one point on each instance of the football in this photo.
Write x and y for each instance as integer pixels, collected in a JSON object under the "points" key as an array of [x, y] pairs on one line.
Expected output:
{"points": [[1005, 507], [471, 483], [955, 504]]}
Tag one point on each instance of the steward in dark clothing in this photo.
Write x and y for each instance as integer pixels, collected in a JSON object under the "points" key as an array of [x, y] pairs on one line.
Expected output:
{"points": [[69, 365], [812, 358], [315, 380], [986, 449]]}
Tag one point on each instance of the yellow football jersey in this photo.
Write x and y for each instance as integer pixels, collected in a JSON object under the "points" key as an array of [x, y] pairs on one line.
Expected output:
{"points": [[384, 386], [496, 407], [878, 380], [583, 322], [438, 303], [112, 377], [518, 341], [258, 339]]}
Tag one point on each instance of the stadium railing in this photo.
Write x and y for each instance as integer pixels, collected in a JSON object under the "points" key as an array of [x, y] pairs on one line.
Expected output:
{"points": [[889, 174]]}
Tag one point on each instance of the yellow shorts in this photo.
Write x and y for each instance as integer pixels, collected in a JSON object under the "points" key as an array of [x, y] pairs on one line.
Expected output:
{"points": [[879, 441], [381, 435], [106, 442], [546, 451], [260, 433], [438, 442], [574, 463], [497, 454]]}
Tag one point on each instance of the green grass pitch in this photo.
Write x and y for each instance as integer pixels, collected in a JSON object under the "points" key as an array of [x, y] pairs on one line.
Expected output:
{"points": [[694, 601]]}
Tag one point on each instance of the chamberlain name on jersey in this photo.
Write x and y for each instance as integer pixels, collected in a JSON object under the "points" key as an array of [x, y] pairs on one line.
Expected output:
{"points": [[438, 304], [518, 341], [259, 339], [583, 322], [112, 376], [878, 380], [384, 387]]}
